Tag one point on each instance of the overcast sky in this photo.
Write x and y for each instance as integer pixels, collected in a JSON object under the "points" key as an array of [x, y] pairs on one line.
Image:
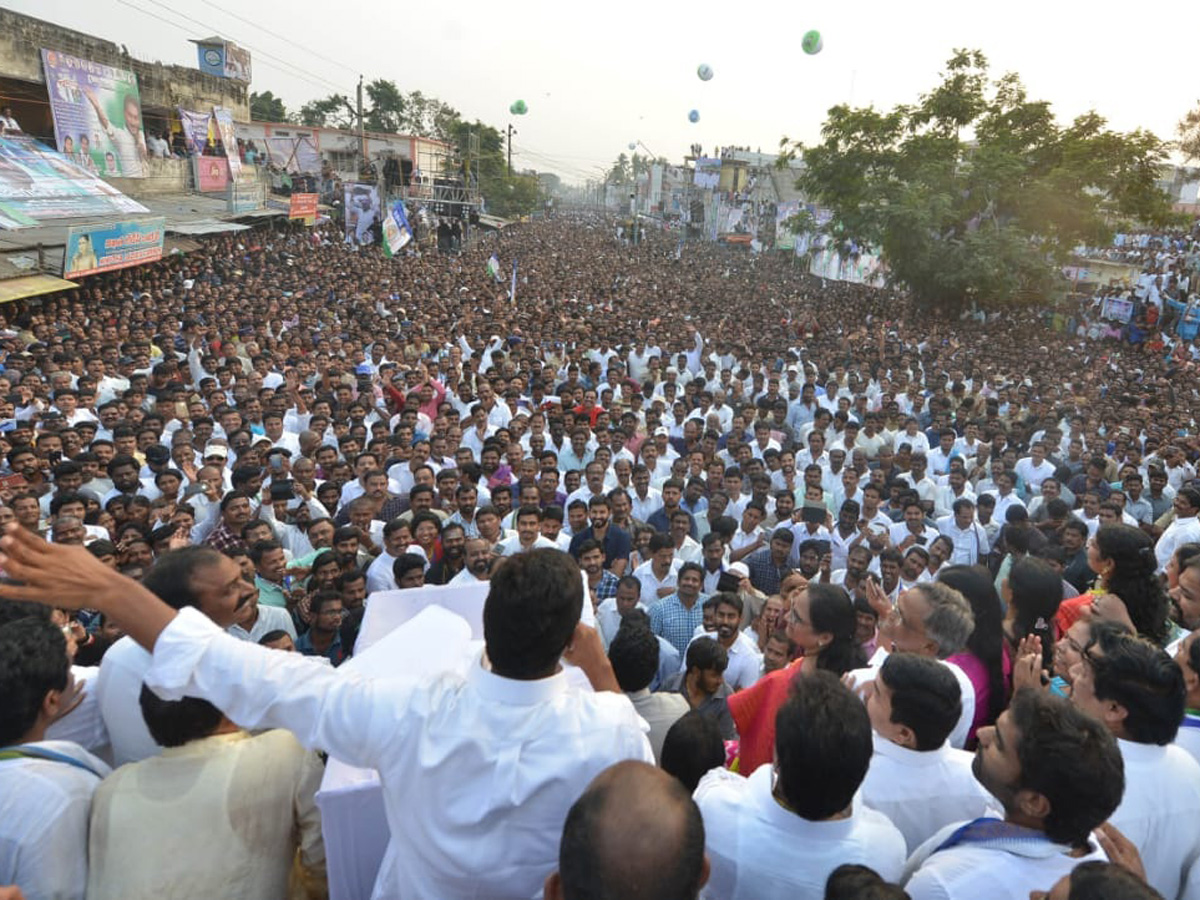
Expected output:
{"points": [[599, 76]]}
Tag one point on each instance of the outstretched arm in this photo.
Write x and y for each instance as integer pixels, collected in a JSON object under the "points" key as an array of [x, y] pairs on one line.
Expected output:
{"points": [[354, 718]]}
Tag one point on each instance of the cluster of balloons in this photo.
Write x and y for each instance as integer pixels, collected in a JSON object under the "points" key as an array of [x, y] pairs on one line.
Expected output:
{"points": [[518, 108], [705, 73]]}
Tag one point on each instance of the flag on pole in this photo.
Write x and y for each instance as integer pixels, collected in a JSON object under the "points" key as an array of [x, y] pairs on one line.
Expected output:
{"points": [[396, 230], [493, 267], [512, 291]]}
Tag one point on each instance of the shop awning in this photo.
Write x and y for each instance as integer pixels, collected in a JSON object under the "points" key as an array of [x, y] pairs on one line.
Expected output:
{"points": [[31, 286]]}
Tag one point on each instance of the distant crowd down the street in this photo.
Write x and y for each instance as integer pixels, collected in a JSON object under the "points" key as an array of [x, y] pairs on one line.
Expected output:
{"points": [[794, 587]]}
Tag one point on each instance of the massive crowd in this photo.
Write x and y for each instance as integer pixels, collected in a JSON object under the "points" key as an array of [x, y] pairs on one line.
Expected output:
{"points": [[794, 589]]}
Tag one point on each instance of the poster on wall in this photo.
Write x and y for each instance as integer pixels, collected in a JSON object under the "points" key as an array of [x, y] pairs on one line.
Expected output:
{"points": [[113, 245], [223, 119], [97, 115], [303, 206], [212, 174], [197, 129]]}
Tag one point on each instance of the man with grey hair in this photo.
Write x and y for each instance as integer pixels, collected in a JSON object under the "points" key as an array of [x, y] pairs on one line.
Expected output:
{"points": [[930, 619]]}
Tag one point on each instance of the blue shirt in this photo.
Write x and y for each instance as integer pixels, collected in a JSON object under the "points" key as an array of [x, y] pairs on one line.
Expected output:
{"points": [[333, 653], [674, 622]]}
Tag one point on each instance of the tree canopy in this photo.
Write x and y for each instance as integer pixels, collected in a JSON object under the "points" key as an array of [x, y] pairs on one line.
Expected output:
{"points": [[266, 107], [1188, 130], [976, 192]]}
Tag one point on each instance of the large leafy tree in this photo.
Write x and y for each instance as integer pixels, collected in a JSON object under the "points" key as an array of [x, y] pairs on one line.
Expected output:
{"points": [[266, 107], [976, 192], [1188, 130]]}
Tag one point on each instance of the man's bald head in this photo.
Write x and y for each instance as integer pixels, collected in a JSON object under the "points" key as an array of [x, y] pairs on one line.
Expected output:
{"points": [[605, 853]]}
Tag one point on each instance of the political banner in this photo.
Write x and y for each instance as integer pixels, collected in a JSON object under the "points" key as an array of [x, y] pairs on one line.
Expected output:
{"points": [[396, 230], [223, 119], [212, 174], [303, 206], [785, 238], [97, 115], [708, 173], [197, 129], [113, 245], [297, 154], [38, 183], [225, 59], [362, 212]]}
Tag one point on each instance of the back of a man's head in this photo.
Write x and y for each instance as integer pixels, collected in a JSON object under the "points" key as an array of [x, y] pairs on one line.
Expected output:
{"points": [[691, 748], [822, 746], [173, 723], [634, 834], [925, 697], [634, 656], [950, 621], [1144, 680], [1069, 758], [531, 612], [33, 662], [1095, 880], [854, 882]]}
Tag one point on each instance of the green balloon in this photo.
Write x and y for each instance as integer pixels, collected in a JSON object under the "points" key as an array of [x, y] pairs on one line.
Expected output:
{"points": [[521, 107], [811, 43]]}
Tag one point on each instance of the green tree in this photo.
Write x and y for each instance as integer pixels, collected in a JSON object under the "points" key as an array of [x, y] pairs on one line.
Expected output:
{"points": [[1188, 130], [334, 111], [976, 193], [385, 112], [266, 107]]}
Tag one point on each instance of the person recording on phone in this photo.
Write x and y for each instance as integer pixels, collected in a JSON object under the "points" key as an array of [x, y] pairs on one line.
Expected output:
{"points": [[914, 530]]}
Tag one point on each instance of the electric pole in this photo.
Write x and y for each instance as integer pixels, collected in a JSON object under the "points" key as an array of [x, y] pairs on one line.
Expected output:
{"points": [[511, 132], [362, 130]]}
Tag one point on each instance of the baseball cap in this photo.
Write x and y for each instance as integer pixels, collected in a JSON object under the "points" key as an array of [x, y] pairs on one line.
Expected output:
{"points": [[741, 570], [216, 450]]}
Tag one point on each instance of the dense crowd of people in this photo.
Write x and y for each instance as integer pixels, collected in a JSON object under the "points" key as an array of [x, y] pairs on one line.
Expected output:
{"points": [[794, 588]]}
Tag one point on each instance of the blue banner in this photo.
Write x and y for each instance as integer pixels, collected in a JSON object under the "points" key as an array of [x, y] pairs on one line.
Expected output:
{"points": [[114, 245]]}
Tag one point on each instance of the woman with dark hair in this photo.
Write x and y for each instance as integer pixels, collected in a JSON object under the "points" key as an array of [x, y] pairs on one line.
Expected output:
{"points": [[1128, 589], [984, 660], [1032, 593], [822, 624]]}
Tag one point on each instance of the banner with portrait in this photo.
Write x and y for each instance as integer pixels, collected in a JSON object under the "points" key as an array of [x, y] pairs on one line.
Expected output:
{"points": [[197, 129], [97, 115], [223, 119], [362, 212], [112, 245], [38, 183]]}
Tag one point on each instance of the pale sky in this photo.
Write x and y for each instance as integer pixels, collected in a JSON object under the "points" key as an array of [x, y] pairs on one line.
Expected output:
{"points": [[599, 76]]}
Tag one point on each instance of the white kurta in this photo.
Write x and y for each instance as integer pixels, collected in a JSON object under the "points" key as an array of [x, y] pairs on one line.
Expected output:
{"points": [[974, 872], [478, 772], [1160, 812], [44, 809], [923, 792], [760, 851]]}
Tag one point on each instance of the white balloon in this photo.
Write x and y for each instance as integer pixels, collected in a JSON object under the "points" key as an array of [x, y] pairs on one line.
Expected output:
{"points": [[705, 72]]}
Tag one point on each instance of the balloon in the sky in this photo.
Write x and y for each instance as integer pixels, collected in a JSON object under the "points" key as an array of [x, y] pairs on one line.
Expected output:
{"points": [[694, 116], [519, 108], [811, 43], [632, 145], [512, 109], [705, 72]]}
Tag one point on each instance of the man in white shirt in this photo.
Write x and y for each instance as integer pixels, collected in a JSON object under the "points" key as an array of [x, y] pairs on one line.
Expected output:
{"points": [[1184, 529], [1035, 468], [917, 779], [528, 536], [514, 740], [745, 662], [46, 786], [194, 576], [1137, 691], [970, 540], [1057, 774], [780, 832]]}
